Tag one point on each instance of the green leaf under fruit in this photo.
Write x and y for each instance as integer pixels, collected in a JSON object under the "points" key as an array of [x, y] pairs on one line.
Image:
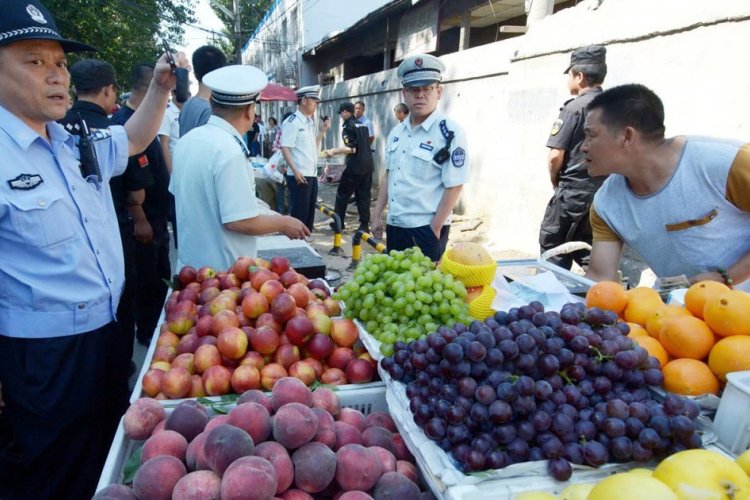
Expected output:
{"points": [[133, 464]]}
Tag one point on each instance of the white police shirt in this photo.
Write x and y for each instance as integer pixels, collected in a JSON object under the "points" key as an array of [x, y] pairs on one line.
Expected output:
{"points": [[415, 181], [298, 133]]}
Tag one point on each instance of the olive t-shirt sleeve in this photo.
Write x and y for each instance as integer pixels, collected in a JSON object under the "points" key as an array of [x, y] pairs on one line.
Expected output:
{"points": [[600, 229]]}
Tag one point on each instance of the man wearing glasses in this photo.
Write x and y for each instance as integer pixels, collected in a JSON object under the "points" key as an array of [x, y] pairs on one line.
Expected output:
{"points": [[427, 164]]}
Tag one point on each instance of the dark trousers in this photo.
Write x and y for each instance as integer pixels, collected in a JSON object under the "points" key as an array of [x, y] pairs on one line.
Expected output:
{"points": [[302, 199], [152, 263], [64, 397], [401, 238], [567, 219], [126, 308], [359, 185]]}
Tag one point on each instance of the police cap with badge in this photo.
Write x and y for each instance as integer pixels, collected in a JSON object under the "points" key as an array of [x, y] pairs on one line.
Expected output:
{"points": [[235, 85], [30, 20], [310, 92], [420, 69], [591, 54]]}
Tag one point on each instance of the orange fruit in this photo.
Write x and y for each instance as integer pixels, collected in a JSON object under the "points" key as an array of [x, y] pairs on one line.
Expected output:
{"points": [[607, 295], [730, 354], [689, 377], [686, 337], [637, 330], [728, 313], [656, 319], [654, 348], [642, 301], [698, 293]]}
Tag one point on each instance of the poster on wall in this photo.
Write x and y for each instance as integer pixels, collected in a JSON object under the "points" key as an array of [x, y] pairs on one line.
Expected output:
{"points": [[418, 29]]}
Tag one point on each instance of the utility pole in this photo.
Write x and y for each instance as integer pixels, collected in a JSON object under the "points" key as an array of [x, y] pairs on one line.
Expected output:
{"points": [[234, 15]]}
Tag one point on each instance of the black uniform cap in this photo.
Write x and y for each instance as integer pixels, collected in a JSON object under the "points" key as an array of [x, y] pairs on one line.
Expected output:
{"points": [[592, 54]]}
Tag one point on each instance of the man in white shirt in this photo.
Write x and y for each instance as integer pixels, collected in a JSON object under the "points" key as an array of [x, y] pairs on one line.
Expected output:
{"points": [[213, 182]]}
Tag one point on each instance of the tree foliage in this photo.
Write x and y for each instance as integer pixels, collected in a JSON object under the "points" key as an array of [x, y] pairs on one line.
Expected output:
{"points": [[251, 13], [126, 32]]}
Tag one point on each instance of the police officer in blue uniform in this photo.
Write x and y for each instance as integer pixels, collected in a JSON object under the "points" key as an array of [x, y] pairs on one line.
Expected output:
{"points": [[427, 164], [61, 272], [567, 215]]}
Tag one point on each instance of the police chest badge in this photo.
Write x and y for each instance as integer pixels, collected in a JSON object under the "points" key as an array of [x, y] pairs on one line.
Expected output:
{"points": [[25, 182], [556, 127], [458, 157]]}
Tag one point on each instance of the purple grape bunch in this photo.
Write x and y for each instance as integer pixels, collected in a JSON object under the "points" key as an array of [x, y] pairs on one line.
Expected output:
{"points": [[528, 384]]}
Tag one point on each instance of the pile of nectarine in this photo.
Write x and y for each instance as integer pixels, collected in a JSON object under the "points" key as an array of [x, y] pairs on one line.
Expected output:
{"points": [[246, 328], [294, 444]]}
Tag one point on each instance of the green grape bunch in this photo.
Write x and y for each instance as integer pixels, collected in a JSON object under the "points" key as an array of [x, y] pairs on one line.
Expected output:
{"points": [[402, 296]]}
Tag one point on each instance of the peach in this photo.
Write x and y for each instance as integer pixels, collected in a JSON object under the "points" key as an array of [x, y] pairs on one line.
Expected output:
{"points": [[165, 443], [256, 396], [267, 319], [195, 456], [316, 364], [299, 330], [344, 332], [187, 420], [175, 383], [353, 495], [208, 294], [378, 436], [185, 360], [320, 346], [167, 339], [223, 318], [387, 460], [206, 356], [281, 461], [203, 325], [151, 382], [245, 378], [314, 467], [197, 390], [249, 477], [359, 371], [225, 444], [157, 477], [295, 494], [188, 343], [253, 418], [294, 424], [346, 434], [264, 339], [304, 372], [326, 433], [408, 469], [333, 306], [160, 365], [300, 294], [141, 418], [380, 419], [340, 357], [159, 427], [286, 355], [217, 380], [283, 307], [115, 492], [271, 289], [232, 342], [180, 321], [290, 390], [354, 417], [333, 376], [357, 467], [396, 485], [321, 323], [325, 398], [215, 421], [241, 267], [198, 485], [252, 358], [401, 451], [270, 373]]}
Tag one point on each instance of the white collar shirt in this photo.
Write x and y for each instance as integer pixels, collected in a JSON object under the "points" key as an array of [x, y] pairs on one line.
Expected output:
{"points": [[299, 135]]}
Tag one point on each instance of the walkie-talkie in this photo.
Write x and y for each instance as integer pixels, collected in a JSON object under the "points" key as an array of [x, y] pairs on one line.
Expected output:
{"points": [[89, 161], [182, 89]]}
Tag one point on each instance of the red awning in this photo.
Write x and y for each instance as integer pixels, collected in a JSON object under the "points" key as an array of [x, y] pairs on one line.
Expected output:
{"points": [[274, 92]]}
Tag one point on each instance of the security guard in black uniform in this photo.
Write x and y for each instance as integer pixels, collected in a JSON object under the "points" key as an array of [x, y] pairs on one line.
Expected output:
{"points": [[567, 215], [96, 93], [357, 177]]}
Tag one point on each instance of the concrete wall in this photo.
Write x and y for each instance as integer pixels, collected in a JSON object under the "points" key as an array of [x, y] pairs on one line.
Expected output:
{"points": [[693, 53]]}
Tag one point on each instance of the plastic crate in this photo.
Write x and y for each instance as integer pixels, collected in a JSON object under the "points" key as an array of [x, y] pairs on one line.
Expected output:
{"points": [[732, 421], [366, 399]]}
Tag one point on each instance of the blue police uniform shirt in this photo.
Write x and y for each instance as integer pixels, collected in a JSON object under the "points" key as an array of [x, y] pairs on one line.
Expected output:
{"points": [[61, 271]]}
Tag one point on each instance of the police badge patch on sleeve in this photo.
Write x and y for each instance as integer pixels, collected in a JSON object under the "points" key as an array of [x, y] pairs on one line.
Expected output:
{"points": [[458, 157], [556, 127], [25, 182]]}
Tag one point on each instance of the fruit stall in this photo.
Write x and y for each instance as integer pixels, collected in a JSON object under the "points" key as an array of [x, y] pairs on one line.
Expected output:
{"points": [[417, 380]]}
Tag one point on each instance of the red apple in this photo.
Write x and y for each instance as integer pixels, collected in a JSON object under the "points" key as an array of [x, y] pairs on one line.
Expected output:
{"points": [[290, 277], [203, 325], [165, 353], [304, 372], [185, 360], [317, 365], [279, 265], [264, 340], [283, 307], [222, 302], [241, 267], [204, 273], [316, 308], [320, 346], [254, 304], [208, 294], [189, 293], [319, 285], [333, 376], [167, 339], [207, 340], [229, 281], [333, 306], [321, 324], [187, 275], [217, 380], [359, 371], [175, 383], [344, 332], [245, 378], [340, 357], [171, 302], [271, 289], [267, 319], [210, 283], [260, 276], [367, 357], [151, 382], [223, 319], [286, 355], [187, 306], [253, 358], [196, 387], [299, 330], [180, 322], [300, 293], [206, 356], [270, 373], [232, 342]]}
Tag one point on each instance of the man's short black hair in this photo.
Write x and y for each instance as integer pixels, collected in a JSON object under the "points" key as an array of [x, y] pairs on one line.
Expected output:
{"points": [[206, 59], [402, 108], [141, 75], [594, 73], [631, 105]]}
